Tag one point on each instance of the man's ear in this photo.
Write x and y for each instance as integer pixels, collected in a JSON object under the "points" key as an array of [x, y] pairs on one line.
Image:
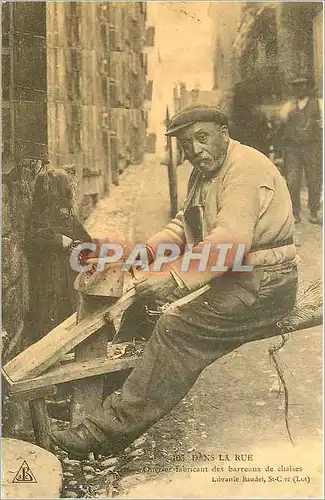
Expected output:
{"points": [[225, 130], [183, 153]]}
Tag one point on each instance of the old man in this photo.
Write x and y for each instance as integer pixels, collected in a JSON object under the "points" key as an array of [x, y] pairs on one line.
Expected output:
{"points": [[236, 196]]}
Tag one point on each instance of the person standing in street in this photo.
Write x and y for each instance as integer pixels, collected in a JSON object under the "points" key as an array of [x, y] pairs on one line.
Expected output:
{"points": [[300, 137]]}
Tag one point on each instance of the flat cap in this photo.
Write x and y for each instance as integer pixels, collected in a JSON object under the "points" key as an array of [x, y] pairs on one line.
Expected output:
{"points": [[196, 113]]}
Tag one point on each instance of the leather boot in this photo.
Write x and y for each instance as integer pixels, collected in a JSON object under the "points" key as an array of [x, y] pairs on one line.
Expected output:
{"points": [[78, 442]]}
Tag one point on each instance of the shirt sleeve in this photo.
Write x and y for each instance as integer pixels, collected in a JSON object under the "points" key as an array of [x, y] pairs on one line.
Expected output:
{"points": [[173, 232], [247, 191]]}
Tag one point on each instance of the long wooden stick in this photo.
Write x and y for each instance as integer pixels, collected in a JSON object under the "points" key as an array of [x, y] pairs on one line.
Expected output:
{"points": [[75, 370], [41, 423], [172, 174]]}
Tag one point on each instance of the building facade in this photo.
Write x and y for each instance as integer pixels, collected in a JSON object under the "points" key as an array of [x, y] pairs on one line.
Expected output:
{"points": [[24, 142], [261, 46], [75, 92], [183, 97], [97, 81], [225, 22]]}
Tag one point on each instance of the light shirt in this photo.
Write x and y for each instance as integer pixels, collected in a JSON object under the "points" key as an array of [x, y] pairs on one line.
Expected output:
{"points": [[248, 196]]}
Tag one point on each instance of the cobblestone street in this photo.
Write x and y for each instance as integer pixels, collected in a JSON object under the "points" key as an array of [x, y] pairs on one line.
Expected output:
{"points": [[140, 204], [240, 390]]}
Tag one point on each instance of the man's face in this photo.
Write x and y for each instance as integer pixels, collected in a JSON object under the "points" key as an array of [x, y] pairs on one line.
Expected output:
{"points": [[205, 145]]}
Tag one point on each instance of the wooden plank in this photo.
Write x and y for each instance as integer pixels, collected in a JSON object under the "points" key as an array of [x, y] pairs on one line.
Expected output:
{"points": [[40, 356], [14, 364], [71, 371], [88, 393], [78, 370], [67, 358], [40, 392]]}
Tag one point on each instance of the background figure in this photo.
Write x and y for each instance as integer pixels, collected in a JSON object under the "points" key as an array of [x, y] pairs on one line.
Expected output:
{"points": [[51, 232], [300, 137], [250, 125]]}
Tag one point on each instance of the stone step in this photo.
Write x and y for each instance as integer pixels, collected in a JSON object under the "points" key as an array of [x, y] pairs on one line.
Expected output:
{"points": [[29, 471]]}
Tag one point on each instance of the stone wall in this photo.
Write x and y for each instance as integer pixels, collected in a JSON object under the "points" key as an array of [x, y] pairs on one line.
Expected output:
{"points": [[16, 204], [24, 145], [96, 69]]}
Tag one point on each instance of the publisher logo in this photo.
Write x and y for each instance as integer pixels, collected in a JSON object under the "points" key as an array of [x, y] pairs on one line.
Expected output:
{"points": [[24, 474]]}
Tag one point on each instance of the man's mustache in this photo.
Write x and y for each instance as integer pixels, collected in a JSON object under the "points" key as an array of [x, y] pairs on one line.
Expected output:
{"points": [[198, 159]]}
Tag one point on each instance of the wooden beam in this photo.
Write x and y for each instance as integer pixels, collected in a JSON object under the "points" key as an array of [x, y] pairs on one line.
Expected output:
{"points": [[41, 423], [172, 172], [71, 371], [40, 356], [40, 392], [78, 370], [51, 348], [15, 365], [88, 393]]}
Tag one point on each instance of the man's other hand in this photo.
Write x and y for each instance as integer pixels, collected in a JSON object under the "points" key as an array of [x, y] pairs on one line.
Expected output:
{"points": [[154, 286]]}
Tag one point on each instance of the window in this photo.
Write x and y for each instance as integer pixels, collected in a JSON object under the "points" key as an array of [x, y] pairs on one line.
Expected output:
{"points": [[105, 139], [74, 32], [113, 93], [104, 13], [74, 139], [105, 88], [112, 14], [105, 119], [76, 114], [74, 9], [5, 24], [150, 36], [104, 67], [74, 88], [5, 76], [148, 90], [105, 36], [112, 37], [74, 60]]}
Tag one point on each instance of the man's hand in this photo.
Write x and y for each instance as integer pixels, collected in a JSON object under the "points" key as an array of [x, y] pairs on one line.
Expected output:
{"points": [[94, 257]]}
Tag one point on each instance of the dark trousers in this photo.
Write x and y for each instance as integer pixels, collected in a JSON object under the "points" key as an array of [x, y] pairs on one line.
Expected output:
{"points": [[186, 340], [307, 157]]}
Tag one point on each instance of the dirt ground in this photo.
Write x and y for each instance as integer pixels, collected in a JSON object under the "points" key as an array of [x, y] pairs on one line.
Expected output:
{"points": [[234, 415]]}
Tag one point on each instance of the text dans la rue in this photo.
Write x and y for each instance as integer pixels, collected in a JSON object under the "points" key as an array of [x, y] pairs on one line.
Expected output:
{"points": [[233, 468]]}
